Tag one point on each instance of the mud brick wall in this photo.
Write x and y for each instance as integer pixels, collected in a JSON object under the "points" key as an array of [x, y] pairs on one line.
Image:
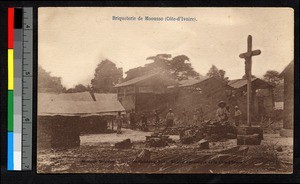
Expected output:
{"points": [[288, 106], [58, 132], [212, 92], [93, 125], [43, 133], [148, 102], [240, 99]]}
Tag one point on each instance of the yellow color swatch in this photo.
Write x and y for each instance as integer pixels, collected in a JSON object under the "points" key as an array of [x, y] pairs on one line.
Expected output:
{"points": [[10, 69]]}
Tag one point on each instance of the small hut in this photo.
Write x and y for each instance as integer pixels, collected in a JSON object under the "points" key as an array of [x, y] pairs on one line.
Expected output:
{"points": [[288, 104], [262, 97], [63, 117]]}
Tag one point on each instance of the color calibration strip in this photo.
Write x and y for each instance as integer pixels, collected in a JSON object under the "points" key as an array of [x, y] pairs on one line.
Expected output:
{"points": [[19, 89], [10, 105]]}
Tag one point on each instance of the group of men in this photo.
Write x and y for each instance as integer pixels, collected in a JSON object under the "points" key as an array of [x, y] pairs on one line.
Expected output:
{"points": [[197, 117], [133, 121], [223, 114], [144, 119]]}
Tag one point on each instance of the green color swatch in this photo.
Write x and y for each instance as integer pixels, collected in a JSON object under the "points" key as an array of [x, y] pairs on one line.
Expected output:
{"points": [[10, 111]]}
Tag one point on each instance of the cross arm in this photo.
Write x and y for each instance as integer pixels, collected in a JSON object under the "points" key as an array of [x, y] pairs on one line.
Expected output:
{"points": [[250, 54]]}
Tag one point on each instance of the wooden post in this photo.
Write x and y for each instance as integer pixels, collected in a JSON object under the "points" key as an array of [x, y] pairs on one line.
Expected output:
{"points": [[249, 77], [248, 71], [135, 98]]}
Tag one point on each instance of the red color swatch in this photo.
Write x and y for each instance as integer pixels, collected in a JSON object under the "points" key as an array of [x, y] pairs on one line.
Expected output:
{"points": [[10, 28]]}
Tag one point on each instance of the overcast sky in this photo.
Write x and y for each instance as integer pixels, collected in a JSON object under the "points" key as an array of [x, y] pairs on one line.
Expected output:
{"points": [[72, 41]]}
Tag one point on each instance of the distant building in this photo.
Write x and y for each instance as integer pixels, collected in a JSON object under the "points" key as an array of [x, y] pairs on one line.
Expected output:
{"points": [[63, 117], [204, 93], [146, 92], [262, 97], [288, 104], [160, 91]]}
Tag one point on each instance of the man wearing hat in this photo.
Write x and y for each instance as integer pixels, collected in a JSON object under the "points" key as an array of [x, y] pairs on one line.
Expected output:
{"points": [[222, 112]]}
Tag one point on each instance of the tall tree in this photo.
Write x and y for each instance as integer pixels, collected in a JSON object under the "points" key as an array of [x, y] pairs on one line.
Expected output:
{"points": [[273, 78], [215, 72], [179, 67], [106, 76], [135, 72], [48, 83]]}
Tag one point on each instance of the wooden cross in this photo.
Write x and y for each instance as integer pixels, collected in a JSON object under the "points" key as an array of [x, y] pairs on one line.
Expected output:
{"points": [[248, 67]]}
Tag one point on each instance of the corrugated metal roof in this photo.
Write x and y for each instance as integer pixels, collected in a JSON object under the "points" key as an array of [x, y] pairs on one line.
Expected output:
{"points": [[237, 83], [240, 83], [83, 96], [191, 82], [136, 80], [106, 96], [77, 104], [161, 77]]}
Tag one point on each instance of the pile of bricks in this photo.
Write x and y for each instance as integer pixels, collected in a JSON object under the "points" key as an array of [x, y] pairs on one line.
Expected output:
{"points": [[158, 140]]}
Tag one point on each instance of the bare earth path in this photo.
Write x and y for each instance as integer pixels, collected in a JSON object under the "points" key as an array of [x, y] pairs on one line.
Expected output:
{"points": [[97, 154]]}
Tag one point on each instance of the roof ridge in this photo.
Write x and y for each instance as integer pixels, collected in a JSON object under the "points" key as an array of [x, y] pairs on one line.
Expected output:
{"points": [[137, 79]]}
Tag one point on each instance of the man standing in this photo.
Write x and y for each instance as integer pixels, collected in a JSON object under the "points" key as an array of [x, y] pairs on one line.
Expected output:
{"points": [[200, 114], [144, 122], [237, 115], [184, 116], [227, 113], [170, 118], [119, 123], [195, 117], [132, 119], [156, 116]]}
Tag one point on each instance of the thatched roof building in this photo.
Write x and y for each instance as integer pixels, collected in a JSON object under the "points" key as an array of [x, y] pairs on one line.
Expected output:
{"points": [[63, 117]]}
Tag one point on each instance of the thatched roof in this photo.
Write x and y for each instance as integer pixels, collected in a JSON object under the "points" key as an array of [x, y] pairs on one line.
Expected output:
{"points": [[78, 104]]}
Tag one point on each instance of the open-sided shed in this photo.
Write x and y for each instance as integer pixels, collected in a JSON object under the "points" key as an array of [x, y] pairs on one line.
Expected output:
{"points": [[146, 92], [63, 117], [262, 101]]}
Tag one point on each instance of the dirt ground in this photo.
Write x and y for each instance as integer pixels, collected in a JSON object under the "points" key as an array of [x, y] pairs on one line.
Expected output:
{"points": [[97, 154]]}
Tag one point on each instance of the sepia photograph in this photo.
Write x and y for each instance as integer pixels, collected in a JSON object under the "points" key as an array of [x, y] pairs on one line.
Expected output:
{"points": [[165, 90]]}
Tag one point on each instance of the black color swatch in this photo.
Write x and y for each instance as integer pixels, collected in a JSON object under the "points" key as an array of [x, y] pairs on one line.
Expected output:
{"points": [[18, 18]]}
